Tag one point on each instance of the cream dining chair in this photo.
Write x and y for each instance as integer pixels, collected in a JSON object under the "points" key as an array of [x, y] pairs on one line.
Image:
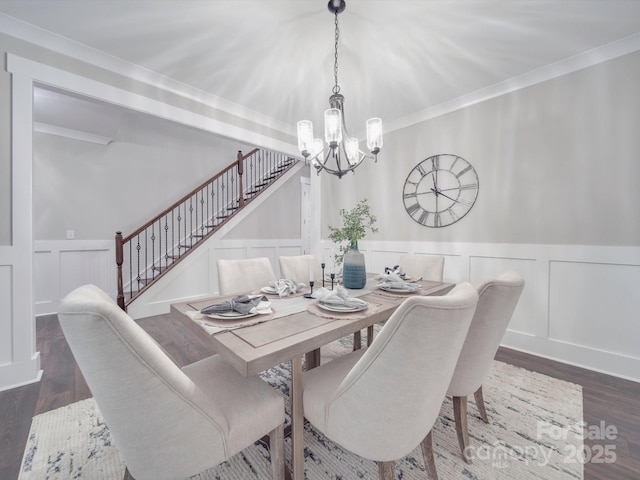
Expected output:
{"points": [[497, 301], [426, 267], [167, 422], [301, 269], [242, 275], [381, 402]]}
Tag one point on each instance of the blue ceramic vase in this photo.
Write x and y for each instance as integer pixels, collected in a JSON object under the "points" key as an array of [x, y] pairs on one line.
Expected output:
{"points": [[354, 273]]}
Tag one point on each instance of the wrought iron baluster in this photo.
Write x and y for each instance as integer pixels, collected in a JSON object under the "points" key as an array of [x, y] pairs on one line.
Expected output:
{"points": [[166, 242]]}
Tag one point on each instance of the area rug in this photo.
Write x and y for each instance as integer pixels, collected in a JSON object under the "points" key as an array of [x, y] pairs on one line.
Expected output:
{"points": [[535, 426]]}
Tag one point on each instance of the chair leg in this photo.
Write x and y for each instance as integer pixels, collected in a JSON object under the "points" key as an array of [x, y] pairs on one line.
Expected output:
{"points": [[427, 453], [127, 475], [460, 415], [480, 404], [385, 470], [276, 449]]}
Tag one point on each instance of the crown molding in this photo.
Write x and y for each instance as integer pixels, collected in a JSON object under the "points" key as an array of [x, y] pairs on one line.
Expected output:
{"points": [[587, 59]]}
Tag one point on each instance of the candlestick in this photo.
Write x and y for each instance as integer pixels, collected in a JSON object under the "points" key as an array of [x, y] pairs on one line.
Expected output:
{"points": [[333, 276], [322, 265]]}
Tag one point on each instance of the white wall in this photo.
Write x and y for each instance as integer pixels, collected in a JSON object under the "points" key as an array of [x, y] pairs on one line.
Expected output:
{"points": [[97, 190], [557, 164]]}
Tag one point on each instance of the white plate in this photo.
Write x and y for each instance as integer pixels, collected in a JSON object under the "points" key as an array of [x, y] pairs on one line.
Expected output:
{"points": [[269, 290], [398, 290], [341, 308], [231, 315]]}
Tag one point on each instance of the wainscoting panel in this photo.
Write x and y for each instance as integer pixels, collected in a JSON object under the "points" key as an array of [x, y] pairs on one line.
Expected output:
{"points": [[60, 266], [596, 306], [524, 317], [579, 304]]}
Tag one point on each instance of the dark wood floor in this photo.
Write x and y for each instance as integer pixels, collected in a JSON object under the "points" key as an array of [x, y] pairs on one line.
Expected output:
{"points": [[606, 399]]}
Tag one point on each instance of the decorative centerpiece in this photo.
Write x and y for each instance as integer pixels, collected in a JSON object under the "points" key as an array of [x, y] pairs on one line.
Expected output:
{"points": [[355, 224]]}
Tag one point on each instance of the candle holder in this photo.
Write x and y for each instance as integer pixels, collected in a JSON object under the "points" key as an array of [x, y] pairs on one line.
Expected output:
{"points": [[310, 294], [323, 265], [333, 277]]}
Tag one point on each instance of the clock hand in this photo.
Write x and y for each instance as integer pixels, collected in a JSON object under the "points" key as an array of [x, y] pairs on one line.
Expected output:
{"points": [[447, 196]]}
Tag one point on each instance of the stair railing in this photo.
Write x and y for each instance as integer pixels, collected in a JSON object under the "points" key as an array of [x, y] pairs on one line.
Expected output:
{"points": [[143, 256]]}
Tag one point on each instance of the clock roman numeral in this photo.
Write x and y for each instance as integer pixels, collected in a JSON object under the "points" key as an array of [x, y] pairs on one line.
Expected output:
{"points": [[413, 208], [423, 217], [410, 195], [435, 161], [436, 220], [421, 170], [463, 171], [471, 186]]}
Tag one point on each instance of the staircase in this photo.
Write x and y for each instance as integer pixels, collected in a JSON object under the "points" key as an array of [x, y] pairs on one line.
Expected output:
{"points": [[151, 251]]}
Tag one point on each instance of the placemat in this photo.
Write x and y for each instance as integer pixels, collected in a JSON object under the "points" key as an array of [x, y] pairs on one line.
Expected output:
{"points": [[314, 309], [207, 321]]}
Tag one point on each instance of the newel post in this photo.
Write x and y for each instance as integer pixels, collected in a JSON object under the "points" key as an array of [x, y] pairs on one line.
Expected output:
{"points": [[119, 261], [240, 172]]}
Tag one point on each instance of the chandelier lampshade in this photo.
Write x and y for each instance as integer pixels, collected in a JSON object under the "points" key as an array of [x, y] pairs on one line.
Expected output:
{"points": [[343, 153]]}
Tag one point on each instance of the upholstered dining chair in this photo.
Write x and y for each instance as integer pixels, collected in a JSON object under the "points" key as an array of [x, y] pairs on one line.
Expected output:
{"points": [[497, 301], [381, 402], [244, 274], [167, 422], [426, 267], [301, 269]]}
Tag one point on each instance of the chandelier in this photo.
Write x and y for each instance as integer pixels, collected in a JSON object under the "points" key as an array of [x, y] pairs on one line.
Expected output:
{"points": [[343, 153]]}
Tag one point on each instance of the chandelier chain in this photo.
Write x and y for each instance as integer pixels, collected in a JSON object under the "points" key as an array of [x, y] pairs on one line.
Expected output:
{"points": [[336, 87]]}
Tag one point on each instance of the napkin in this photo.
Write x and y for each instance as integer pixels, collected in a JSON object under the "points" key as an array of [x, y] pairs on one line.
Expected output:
{"points": [[393, 280], [339, 296], [243, 304], [285, 287], [396, 269]]}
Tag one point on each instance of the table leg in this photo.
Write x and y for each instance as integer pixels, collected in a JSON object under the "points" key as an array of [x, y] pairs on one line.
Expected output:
{"points": [[369, 335], [297, 419], [357, 340], [312, 359]]}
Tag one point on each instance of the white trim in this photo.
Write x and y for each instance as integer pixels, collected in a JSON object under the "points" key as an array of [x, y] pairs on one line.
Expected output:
{"points": [[578, 62], [45, 39], [70, 133], [19, 323]]}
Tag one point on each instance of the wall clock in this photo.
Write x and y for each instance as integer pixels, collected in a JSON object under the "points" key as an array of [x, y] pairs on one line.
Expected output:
{"points": [[440, 190]]}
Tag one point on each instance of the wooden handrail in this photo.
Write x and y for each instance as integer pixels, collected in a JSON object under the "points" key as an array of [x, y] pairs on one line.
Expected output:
{"points": [[191, 193], [153, 249]]}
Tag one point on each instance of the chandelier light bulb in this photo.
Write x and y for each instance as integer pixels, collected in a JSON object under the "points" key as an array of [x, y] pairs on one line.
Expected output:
{"points": [[332, 127], [353, 150], [374, 135], [305, 137]]}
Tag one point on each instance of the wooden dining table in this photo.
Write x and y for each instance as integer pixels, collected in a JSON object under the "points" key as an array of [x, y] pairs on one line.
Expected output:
{"points": [[296, 329]]}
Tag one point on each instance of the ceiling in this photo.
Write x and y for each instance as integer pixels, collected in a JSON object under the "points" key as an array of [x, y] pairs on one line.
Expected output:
{"points": [[397, 59]]}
